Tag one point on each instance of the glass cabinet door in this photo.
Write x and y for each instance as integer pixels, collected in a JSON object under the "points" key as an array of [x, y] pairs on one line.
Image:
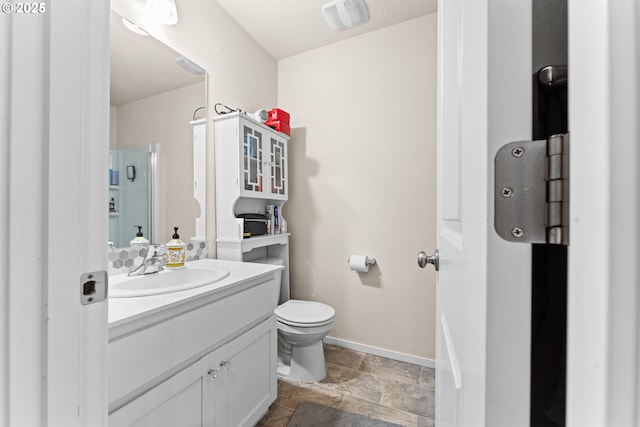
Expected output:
{"points": [[278, 161], [252, 159]]}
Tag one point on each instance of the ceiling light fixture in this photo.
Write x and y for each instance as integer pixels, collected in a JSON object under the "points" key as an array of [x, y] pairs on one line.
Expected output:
{"points": [[343, 14], [133, 27], [165, 11]]}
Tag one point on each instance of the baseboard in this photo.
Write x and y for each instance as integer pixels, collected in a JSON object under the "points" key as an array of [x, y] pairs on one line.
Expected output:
{"points": [[382, 352]]}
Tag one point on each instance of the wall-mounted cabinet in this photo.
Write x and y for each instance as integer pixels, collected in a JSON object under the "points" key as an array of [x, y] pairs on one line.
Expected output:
{"points": [[262, 153], [251, 173], [255, 156]]}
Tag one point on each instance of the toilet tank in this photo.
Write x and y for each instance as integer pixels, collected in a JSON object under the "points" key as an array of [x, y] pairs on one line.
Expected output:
{"points": [[284, 293]]}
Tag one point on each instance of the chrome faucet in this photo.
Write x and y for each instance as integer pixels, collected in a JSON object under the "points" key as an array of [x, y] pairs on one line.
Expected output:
{"points": [[153, 262]]}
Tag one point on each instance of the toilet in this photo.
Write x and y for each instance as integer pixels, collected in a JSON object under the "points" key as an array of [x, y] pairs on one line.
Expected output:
{"points": [[301, 327]]}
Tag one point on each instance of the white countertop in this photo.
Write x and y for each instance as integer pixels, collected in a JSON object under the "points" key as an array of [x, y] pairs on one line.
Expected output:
{"points": [[124, 312]]}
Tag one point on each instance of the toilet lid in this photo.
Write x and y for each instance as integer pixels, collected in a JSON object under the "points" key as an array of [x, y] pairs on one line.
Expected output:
{"points": [[304, 312]]}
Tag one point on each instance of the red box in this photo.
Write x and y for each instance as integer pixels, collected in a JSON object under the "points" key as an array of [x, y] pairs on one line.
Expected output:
{"points": [[279, 126], [276, 114]]}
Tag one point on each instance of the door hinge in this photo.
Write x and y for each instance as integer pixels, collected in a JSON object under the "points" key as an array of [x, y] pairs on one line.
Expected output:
{"points": [[532, 191]]}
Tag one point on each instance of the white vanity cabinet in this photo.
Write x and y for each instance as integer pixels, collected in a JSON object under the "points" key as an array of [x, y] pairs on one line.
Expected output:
{"points": [[230, 386], [201, 357]]}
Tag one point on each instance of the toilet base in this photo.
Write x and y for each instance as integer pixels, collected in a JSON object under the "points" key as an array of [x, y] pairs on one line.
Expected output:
{"points": [[306, 363]]}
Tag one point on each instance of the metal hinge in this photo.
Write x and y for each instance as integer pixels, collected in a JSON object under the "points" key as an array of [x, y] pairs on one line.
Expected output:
{"points": [[532, 191]]}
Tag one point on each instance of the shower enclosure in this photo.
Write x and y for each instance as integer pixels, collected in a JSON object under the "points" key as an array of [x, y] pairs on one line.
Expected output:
{"points": [[133, 181]]}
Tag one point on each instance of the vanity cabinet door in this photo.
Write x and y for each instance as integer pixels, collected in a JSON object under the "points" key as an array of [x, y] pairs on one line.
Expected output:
{"points": [[177, 401], [246, 383]]}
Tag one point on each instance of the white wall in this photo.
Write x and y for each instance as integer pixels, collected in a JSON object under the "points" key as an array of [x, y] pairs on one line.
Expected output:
{"points": [[113, 125], [164, 119], [240, 72], [362, 181]]}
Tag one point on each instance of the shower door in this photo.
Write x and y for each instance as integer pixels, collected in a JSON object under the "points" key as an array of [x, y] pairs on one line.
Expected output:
{"points": [[132, 193]]}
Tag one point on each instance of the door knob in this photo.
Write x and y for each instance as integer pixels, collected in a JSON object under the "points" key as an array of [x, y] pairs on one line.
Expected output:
{"points": [[424, 259]]}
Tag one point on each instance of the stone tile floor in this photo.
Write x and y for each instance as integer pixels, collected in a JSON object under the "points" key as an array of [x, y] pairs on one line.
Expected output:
{"points": [[369, 385]]}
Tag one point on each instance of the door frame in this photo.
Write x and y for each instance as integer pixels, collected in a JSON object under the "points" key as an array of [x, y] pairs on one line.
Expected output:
{"points": [[54, 81], [603, 298], [509, 106]]}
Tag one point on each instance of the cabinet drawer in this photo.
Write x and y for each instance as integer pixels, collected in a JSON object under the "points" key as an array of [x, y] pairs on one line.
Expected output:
{"points": [[144, 358]]}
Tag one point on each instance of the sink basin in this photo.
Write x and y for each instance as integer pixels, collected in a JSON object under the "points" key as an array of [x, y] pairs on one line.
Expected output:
{"points": [[164, 282]]}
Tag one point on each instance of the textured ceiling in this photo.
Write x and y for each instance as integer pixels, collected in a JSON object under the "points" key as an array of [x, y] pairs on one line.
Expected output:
{"points": [[288, 27], [142, 66]]}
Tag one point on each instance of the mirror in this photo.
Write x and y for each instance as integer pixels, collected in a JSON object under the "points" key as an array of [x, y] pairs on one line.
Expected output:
{"points": [[136, 190], [155, 95]]}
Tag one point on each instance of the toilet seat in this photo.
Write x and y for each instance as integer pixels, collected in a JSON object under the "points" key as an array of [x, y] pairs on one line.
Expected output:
{"points": [[305, 314], [304, 325]]}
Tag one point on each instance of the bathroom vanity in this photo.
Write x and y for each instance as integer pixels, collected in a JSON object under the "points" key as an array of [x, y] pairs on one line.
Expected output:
{"points": [[200, 357]]}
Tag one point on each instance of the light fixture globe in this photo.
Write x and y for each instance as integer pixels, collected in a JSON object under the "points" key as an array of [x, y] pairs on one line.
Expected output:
{"points": [[164, 11], [343, 14], [133, 28]]}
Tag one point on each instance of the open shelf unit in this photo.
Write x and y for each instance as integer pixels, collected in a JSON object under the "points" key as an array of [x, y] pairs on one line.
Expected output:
{"points": [[251, 173]]}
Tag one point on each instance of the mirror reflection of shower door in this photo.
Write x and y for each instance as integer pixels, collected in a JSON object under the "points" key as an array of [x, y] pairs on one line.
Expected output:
{"points": [[131, 199]]}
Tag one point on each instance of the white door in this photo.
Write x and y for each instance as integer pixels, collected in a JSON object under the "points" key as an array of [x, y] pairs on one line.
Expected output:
{"points": [[482, 296], [78, 135], [450, 279], [603, 360], [54, 126], [482, 303]]}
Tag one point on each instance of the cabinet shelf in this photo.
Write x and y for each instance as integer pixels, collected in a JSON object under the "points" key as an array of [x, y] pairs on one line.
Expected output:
{"points": [[251, 173], [251, 243]]}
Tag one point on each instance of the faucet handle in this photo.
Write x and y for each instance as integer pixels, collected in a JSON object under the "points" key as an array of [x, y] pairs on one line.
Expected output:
{"points": [[156, 250]]}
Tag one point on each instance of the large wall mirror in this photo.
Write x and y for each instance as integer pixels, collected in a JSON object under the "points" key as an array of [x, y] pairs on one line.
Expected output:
{"points": [[156, 93]]}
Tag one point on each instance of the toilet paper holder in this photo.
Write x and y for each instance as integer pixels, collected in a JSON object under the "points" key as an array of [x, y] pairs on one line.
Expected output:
{"points": [[368, 260]]}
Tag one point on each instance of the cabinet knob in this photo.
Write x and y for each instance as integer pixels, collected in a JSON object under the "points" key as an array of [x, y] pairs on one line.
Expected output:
{"points": [[213, 372]]}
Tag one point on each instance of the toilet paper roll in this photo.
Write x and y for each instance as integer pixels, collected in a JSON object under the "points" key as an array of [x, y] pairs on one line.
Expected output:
{"points": [[359, 263]]}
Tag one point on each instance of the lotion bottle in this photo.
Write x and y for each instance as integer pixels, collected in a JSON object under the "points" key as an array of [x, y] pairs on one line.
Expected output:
{"points": [[175, 251], [139, 240]]}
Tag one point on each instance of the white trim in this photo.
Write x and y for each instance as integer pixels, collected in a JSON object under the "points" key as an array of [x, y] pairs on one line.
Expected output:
{"points": [[24, 274], [603, 299], [382, 352], [154, 191]]}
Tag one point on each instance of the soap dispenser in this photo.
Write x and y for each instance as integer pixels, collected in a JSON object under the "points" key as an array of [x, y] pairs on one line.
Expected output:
{"points": [[175, 251], [139, 240]]}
